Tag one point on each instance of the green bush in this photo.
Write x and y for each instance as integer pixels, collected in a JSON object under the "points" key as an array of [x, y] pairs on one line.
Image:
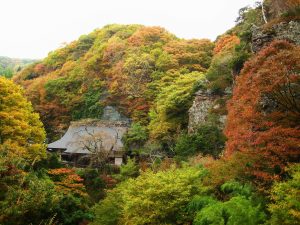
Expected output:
{"points": [[108, 211], [72, 210], [285, 206], [51, 162], [208, 140], [128, 170], [135, 138], [241, 208], [151, 198], [93, 183], [238, 210]]}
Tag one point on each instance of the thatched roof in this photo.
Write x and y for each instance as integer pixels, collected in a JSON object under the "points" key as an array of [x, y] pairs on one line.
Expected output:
{"points": [[91, 134]]}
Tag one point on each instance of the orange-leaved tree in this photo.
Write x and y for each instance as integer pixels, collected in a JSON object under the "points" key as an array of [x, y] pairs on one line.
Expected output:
{"points": [[264, 112], [226, 43], [67, 181], [220, 72]]}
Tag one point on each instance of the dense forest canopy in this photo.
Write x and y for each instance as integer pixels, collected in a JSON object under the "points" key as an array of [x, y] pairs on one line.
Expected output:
{"points": [[238, 165], [128, 66]]}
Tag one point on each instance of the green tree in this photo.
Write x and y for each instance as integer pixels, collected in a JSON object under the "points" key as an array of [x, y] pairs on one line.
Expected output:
{"points": [[208, 140], [109, 210], [241, 208], [94, 184], [219, 73], [285, 206], [21, 132], [172, 104], [6, 72], [128, 170], [238, 210], [28, 199], [152, 198], [160, 196], [135, 138]]}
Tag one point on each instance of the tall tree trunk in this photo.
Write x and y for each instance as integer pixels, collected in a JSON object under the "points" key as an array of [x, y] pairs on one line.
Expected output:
{"points": [[263, 11]]}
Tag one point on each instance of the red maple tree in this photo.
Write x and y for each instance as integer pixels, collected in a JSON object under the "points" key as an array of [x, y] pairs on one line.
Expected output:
{"points": [[264, 112]]}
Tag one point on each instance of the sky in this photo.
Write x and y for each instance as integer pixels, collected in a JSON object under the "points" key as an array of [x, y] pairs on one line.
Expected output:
{"points": [[33, 28]]}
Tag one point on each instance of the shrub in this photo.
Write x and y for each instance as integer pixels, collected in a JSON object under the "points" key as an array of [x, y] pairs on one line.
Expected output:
{"points": [[152, 198], [285, 206], [241, 208], [108, 211], [129, 170], [238, 210], [208, 140], [135, 138]]}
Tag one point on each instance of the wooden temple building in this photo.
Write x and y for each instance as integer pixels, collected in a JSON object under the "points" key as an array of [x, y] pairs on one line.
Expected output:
{"points": [[90, 138]]}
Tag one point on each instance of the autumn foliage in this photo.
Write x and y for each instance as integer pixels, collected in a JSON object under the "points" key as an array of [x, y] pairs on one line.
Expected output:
{"points": [[172, 175], [263, 118], [281, 6], [219, 74], [122, 65], [21, 132], [67, 181], [226, 43]]}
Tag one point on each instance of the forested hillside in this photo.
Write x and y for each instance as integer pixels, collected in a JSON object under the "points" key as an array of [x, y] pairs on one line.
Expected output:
{"points": [[237, 162], [9, 66], [135, 68]]}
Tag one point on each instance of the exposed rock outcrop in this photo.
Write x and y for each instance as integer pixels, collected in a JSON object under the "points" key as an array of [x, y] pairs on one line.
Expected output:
{"points": [[199, 111], [111, 114], [281, 31], [204, 103]]}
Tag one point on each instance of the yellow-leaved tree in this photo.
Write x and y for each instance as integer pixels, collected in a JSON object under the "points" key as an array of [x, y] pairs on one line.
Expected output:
{"points": [[21, 131]]}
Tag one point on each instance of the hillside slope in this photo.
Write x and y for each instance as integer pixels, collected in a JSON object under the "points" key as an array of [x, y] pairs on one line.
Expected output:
{"points": [[127, 66], [245, 86], [9, 66]]}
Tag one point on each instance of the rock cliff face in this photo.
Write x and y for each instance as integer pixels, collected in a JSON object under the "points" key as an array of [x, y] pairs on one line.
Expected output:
{"points": [[205, 103], [282, 31], [110, 113], [199, 111]]}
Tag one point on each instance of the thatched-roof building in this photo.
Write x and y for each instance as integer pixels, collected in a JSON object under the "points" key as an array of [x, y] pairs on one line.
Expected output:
{"points": [[87, 139]]}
